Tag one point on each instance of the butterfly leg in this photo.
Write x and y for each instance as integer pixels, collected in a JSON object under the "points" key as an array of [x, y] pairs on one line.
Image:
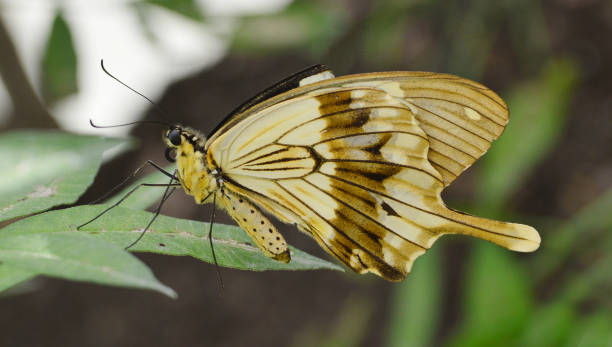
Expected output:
{"points": [[126, 196], [165, 197], [134, 174], [251, 219]]}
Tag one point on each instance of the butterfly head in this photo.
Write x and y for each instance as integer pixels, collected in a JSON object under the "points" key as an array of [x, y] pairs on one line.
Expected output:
{"points": [[186, 148], [182, 141]]}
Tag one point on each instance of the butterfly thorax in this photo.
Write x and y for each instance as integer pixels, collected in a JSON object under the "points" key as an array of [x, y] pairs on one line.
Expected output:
{"points": [[195, 172], [199, 175]]}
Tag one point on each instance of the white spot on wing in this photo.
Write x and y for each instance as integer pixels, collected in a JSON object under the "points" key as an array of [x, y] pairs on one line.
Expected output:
{"points": [[361, 140], [392, 88], [471, 113], [358, 104], [321, 76], [358, 94]]}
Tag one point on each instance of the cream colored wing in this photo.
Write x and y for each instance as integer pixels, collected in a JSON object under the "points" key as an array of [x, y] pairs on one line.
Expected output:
{"points": [[459, 117], [350, 166]]}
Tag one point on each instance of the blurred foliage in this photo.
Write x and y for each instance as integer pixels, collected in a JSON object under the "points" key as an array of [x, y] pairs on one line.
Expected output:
{"points": [[587, 229], [59, 64], [309, 26], [496, 301], [349, 328], [538, 111], [418, 302]]}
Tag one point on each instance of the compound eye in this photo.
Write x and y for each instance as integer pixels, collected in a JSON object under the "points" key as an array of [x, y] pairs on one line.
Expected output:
{"points": [[175, 137]]}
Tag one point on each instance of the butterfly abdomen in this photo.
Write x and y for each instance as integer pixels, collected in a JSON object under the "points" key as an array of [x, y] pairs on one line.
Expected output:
{"points": [[250, 218]]}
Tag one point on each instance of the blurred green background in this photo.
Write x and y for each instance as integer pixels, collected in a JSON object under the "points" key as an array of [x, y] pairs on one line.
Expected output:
{"points": [[552, 169]]}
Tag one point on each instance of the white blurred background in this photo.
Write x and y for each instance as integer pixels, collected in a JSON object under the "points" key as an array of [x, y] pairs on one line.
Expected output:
{"points": [[147, 47]]}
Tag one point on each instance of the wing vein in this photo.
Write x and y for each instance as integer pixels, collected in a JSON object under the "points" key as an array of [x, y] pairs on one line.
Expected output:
{"points": [[461, 104], [261, 156], [383, 163], [421, 209], [336, 113], [368, 217], [459, 126], [476, 88], [369, 133], [334, 227], [458, 149]]}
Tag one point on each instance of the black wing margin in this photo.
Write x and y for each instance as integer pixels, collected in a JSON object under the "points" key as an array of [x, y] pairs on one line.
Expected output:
{"points": [[277, 88]]}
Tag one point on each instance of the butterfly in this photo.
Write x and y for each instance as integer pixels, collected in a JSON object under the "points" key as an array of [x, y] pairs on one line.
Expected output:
{"points": [[358, 162]]}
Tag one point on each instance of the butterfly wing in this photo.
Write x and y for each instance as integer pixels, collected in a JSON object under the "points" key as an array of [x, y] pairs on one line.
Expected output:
{"points": [[348, 162], [460, 117]]}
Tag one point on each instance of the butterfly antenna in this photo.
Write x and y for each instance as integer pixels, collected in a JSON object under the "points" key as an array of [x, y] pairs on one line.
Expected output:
{"points": [[124, 124], [212, 221], [157, 107]]}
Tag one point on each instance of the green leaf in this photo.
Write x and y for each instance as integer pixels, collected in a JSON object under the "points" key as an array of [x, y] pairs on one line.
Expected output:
{"points": [[187, 8], [167, 235], [74, 256], [59, 64], [537, 117], [10, 276], [43, 169], [594, 330], [549, 325], [143, 197], [417, 302], [497, 299]]}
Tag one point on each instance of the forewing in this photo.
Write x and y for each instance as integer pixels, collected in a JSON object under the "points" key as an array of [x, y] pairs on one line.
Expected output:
{"points": [[335, 162], [459, 117]]}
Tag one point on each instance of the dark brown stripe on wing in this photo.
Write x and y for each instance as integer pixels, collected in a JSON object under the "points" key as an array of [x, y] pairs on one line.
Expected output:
{"points": [[376, 170], [334, 102], [383, 193], [367, 217], [347, 245]]}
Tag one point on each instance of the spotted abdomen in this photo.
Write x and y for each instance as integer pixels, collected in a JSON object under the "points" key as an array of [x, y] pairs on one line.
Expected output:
{"points": [[250, 218]]}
